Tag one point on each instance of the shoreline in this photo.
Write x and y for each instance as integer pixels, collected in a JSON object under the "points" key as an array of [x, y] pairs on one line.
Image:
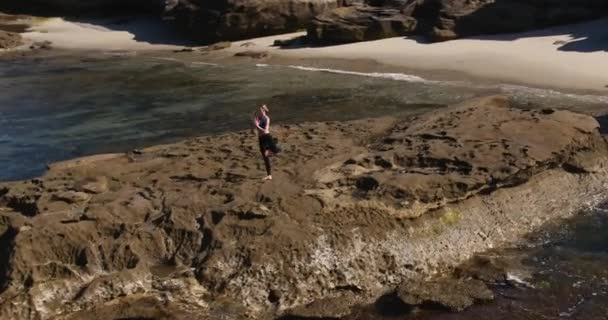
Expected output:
{"points": [[142, 33], [442, 76], [531, 58]]}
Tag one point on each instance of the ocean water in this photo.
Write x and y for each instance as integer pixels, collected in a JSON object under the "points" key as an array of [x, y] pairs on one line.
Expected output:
{"points": [[62, 107], [566, 278]]}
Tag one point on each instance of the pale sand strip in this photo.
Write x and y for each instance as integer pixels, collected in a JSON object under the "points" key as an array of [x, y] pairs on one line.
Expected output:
{"points": [[537, 58], [105, 34], [532, 58]]}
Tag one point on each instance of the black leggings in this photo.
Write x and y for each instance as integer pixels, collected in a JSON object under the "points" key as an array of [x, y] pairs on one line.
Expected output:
{"points": [[265, 141]]}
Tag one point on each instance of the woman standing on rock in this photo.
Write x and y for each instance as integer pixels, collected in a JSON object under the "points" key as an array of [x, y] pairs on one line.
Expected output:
{"points": [[261, 120]]}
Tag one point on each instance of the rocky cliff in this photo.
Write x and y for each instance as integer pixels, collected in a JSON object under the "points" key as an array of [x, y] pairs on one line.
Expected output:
{"points": [[356, 208], [203, 20], [333, 21], [442, 20], [239, 19]]}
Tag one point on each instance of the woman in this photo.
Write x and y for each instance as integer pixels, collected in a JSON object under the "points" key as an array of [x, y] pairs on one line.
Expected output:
{"points": [[261, 120]]}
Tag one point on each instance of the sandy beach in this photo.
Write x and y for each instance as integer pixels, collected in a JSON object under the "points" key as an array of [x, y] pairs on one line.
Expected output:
{"points": [[568, 57], [138, 33]]}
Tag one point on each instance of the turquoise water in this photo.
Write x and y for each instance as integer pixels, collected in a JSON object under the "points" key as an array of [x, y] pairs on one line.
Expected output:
{"points": [[57, 108]]}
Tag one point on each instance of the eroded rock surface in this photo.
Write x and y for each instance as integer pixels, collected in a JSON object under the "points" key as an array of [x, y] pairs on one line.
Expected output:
{"points": [[239, 19], [443, 20], [356, 208], [460, 18], [447, 293], [450, 156], [360, 23]]}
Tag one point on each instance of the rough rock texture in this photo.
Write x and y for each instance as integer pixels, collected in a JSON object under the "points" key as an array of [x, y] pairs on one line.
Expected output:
{"points": [[359, 23], [497, 268], [447, 293], [9, 40], [445, 20], [212, 20], [356, 208], [204, 20], [459, 18]]}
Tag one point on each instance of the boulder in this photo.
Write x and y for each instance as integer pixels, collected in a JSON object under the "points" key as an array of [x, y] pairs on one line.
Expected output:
{"points": [[468, 18], [291, 42], [445, 293], [360, 23], [464, 18], [252, 54]]}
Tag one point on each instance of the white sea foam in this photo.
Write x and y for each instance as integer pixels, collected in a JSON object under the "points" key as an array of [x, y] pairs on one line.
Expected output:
{"points": [[120, 53], [262, 65], [392, 76], [205, 63], [547, 93], [507, 88], [193, 63], [167, 59]]}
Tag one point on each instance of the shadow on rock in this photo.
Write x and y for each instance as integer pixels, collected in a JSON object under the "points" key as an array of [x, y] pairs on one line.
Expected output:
{"points": [[508, 16], [603, 121]]}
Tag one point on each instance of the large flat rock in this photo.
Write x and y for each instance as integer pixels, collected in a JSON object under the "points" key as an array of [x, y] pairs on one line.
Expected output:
{"points": [[355, 208], [455, 154]]}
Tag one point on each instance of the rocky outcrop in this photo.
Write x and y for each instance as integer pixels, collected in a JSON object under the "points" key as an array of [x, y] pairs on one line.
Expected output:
{"points": [[238, 19], [443, 20], [334, 21], [444, 293], [355, 210], [360, 23], [205, 20], [458, 18]]}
